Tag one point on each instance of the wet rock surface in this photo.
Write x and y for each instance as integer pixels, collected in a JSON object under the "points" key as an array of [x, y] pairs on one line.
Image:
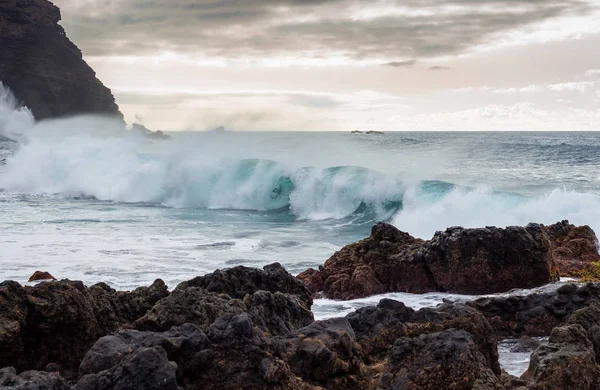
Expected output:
{"points": [[466, 261], [43, 68]]}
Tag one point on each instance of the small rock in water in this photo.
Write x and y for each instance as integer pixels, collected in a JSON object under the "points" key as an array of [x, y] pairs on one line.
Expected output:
{"points": [[525, 344], [40, 275]]}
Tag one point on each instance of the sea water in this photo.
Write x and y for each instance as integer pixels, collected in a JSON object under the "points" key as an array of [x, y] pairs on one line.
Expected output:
{"points": [[83, 199]]}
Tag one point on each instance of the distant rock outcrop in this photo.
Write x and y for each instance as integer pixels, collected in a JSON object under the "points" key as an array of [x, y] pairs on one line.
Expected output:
{"points": [[146, 132], [43, 68]]}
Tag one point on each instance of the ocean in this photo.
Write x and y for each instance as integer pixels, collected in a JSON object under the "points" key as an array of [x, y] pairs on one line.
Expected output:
{"points": [[85, 200]]}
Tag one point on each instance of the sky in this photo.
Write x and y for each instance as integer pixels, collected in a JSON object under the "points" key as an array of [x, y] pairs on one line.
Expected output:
{"points": [[342, 65]]}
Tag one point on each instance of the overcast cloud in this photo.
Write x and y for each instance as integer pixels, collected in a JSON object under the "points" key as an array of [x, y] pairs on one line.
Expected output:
{"points": [[346, 64], [398, 30]]}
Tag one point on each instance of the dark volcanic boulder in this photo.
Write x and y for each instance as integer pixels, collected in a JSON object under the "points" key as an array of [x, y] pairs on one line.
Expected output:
{"points": [[468, 261], [57, 322], [567, 362], [143, 369], [388, 260], [43, 68], [239, 281], [31, 380], [589, 319], [180, 344], [324, 353], [271, 313], [445, 360], [536, 314], [488, 260], [574, 247]]}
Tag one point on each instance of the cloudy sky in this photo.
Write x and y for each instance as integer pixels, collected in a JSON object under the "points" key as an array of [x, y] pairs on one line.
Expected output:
{"points": [[346, 64]]}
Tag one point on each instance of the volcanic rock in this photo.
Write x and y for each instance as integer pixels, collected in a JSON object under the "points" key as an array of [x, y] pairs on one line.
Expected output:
{"points": [[43, 68], [40, 275], [239, 281], [58, 322], [444, 360], [30, 380], [538, 313], [467, 261], [567, 362], [574, 247]]}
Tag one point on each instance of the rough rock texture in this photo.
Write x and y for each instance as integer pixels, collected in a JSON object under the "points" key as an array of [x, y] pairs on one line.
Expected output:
{"points": [[536, 314], [567, 362], [444, 360], [377, 327], [57, 322], [43, 68], [589, 319], [239, 281], [573, 247], [272, 313], [245, 333], [143, 369], [468, 261], [31, 380]]}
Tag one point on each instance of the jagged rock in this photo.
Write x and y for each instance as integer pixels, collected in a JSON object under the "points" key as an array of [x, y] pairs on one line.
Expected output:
{"points": [[468, 261], [271, 313], [143, 369], [589, 319], [535, 314], [43, 68], [114, 308], [378, 264], [489, 260], [443, 360], [31, 380], [57, 322], [574, 247], [567, 362], [239, 281], [40, 275], [191, 305], [377, 327], [324, 353]]}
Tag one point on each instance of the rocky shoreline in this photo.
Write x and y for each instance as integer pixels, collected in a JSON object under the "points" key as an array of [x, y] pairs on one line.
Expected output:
{"points": [[245, 328]]}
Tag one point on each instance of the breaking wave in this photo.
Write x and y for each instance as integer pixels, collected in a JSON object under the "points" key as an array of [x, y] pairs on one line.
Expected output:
{"points": [[96, 158]]}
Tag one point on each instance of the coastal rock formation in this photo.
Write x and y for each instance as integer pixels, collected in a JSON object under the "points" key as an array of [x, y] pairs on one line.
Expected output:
{"points": [[43, 68], [248, 328], [567, 362], [239, 281], [57, 322], [467, 261], [574, 248], [536, 314], [454, 354]]}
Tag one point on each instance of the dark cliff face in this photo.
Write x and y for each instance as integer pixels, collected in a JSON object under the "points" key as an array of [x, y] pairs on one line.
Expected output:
{"points": [[43, 68]]}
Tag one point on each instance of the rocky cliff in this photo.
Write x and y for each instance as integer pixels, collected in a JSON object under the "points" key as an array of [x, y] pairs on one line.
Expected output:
{"points": [[43, 68]]}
